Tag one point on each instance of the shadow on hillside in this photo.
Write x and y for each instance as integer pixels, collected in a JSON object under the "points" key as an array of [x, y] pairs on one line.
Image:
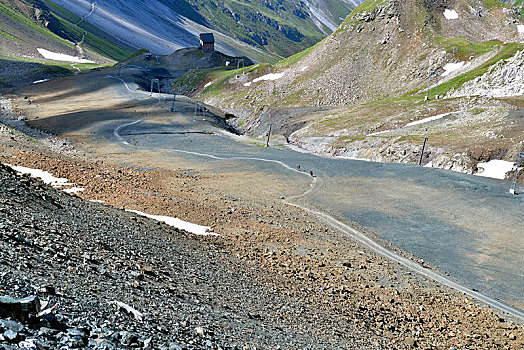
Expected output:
{"points": [[15, 74]]}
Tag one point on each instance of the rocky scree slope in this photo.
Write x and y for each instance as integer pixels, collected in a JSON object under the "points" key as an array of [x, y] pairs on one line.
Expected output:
{"points": [[283, 271], [118, 280], [384, 49]]}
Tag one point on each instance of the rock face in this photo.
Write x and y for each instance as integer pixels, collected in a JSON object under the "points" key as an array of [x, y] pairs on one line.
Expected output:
{"points": [[505, 78]]}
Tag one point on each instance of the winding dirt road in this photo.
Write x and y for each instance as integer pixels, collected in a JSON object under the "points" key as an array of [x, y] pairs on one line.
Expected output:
{"points": [[111, 121]]}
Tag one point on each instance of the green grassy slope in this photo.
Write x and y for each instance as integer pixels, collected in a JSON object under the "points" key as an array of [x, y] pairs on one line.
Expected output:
{"points": [[66, 24], [32, 22], [25, 27]]}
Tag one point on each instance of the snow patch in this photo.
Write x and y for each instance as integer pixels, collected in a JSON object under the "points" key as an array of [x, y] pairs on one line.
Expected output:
{"points": [[45, 176], [451, 14], [40, 81], [74, 190], [451, 67], [61, 57], [48, 178], [495, 168], [304, 69], [520, 28], [180, 224], [208, 85], [247, 84], [271, 76], [427, 120]]}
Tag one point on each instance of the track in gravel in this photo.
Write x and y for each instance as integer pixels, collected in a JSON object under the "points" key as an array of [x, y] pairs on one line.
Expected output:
{"points": [[336, 224]]}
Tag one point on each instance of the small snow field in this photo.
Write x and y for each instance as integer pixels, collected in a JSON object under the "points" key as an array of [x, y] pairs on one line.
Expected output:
{"points": [[48, 178], [61, 57], [452, 67], [271, 76], [495, 168], [208, 84], [520, 28], [429, 119], [74, 190], [45, 176], [180, 224], [450, 14], [40, 81]]}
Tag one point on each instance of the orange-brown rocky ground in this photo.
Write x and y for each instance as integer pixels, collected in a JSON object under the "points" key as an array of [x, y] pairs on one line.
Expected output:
{"points": [[314, 263]]}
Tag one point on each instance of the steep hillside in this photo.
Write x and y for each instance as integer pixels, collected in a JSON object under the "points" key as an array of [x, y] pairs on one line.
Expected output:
{"points": [[385, 49], [280, 27], [383, 52], [35, 45], [27, 25]]}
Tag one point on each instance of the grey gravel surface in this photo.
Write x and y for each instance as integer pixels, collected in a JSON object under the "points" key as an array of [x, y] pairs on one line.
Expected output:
{"points": [[88, 258]]}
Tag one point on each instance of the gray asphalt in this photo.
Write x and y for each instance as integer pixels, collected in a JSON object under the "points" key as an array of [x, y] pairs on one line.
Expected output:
{"points": [[468, 227]]}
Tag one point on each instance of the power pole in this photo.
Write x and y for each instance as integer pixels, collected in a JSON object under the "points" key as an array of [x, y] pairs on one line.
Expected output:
{"points": [[173, 105], [243, 67], [512, 190], [153, 81], [268, 135], [422, 152], [194, 115]]}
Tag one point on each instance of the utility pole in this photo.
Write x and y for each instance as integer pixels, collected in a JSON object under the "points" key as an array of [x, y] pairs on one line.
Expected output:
{"points": [[243, 67], [268, 135], [153, 81], [422, 152], [173, 105], [513, 188], [194, 115]]}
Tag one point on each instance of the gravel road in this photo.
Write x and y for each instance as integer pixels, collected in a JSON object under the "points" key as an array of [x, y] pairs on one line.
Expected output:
{"points": [[240, 199]]}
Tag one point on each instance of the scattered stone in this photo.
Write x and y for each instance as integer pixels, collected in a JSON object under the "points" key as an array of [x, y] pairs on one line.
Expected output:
{"points": [[199, 331], [19, 309]]}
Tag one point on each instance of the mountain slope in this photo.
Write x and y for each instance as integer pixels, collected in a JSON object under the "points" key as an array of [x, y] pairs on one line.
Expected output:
{"points": [[356, 92], [280, 28], [27, 25], [31, 51], [387, 48]]}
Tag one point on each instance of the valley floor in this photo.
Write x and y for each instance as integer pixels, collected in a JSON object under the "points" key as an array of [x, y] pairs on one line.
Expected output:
{"points": [[274, 278]]}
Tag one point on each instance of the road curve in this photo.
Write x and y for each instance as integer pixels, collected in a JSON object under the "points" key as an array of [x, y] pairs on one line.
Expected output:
{"points": [[356, 235]]}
